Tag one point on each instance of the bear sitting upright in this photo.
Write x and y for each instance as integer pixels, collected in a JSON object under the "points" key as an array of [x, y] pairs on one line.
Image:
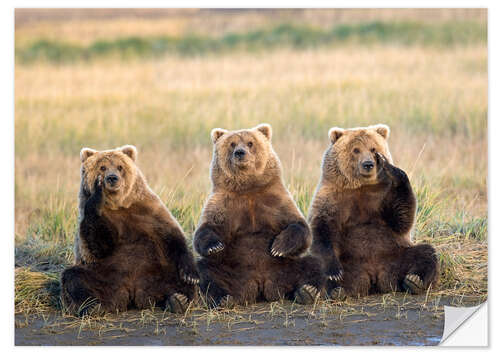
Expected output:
{"points": [[129, 251], [361, 217], [251, 235]]}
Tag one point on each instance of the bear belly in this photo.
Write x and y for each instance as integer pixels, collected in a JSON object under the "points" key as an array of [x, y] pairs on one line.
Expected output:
{"points": [[245, 268], [138, 260], [369, 242], [249, 251]]}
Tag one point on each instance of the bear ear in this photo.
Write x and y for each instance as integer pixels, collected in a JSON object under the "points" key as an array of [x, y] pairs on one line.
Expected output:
{"points": [[216, 133], [383, 130], [130, 151], [265, 129], [85, 153], [335, 133]]}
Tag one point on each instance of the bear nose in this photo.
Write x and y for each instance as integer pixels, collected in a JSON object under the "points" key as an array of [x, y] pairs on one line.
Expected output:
{"points": [[368, 165], [239, 153], [112, 179]]}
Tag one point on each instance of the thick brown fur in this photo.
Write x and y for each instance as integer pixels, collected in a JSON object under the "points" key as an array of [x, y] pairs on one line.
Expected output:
{"points": [[251, 236], [129, 250], [361, 218]]}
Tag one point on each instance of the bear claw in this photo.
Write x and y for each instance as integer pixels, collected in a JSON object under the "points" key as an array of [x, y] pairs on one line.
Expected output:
{"points": [[190, 280], [306, 294], [413, 283], [275, 253], [215, 248], [336, 277], [178, 303]]}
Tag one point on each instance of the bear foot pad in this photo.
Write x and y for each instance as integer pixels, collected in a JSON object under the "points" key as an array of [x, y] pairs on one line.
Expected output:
{"points": [[178, 303], [413, 284], [306, 294]]}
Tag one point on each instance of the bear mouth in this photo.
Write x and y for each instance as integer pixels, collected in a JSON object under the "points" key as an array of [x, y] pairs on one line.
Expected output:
{"points": [[112, 189], [368, 175], [241, 164]]}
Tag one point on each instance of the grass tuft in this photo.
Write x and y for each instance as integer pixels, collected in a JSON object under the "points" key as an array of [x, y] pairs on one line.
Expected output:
{"points": [[36, 292]]}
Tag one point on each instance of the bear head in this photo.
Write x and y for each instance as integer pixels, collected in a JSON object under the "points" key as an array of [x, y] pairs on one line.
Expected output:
{"points": [[243, 159], [115, 168], [351, 160]]}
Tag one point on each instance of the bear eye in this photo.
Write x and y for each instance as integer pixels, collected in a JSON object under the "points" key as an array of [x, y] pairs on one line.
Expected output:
{"points": [[233, 145], [250, 144], [356, 150], [103, 168], [373, 150], [119, 167]]}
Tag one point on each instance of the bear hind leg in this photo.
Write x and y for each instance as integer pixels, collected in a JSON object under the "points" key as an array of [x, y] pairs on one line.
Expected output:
{"points": [[76, 291], [306, 294], [214, 295], [356, 282], [83, 290], [299, 279], [272, 291], [419, 269], [178, 303]]}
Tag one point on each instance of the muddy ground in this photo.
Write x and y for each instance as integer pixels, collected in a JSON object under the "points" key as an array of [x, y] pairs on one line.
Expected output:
{"points": [[393, 319]]}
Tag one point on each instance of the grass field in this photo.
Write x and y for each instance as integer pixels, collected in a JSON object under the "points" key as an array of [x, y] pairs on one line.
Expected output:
{"points": [[426, 79]]}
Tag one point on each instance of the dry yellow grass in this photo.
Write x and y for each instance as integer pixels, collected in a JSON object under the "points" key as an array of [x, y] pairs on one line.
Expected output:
{"points": [[167, 108]]}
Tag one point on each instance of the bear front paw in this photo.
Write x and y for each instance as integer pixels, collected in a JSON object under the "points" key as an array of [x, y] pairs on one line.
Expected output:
{"points": [[289, 242], [98, 185], [282, 247], [335, 274], [188, 273], [93, 204], [395, 174], [213, 248]]}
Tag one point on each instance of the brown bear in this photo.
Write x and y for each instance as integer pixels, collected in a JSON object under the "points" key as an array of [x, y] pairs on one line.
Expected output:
{"points": [[251, 235], [129, 250], [361, 217]]}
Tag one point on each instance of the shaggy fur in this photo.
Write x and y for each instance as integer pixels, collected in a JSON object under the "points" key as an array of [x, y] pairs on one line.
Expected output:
{"points": [[251, 235], [129, 251], [361, 218]]}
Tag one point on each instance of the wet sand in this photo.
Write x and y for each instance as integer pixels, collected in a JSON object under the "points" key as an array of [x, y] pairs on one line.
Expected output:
{"points": [[404, 320]]}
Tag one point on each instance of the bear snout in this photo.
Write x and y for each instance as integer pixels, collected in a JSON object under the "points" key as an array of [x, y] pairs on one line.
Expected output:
{"points": [[239, 154], [367, 165], [112, 179]]}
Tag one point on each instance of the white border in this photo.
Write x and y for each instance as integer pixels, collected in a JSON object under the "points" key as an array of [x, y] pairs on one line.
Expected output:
{"points": [[7, 150]]}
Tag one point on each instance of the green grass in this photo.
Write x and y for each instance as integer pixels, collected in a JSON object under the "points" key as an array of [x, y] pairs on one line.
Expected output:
{"points": [[284, 35]]}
